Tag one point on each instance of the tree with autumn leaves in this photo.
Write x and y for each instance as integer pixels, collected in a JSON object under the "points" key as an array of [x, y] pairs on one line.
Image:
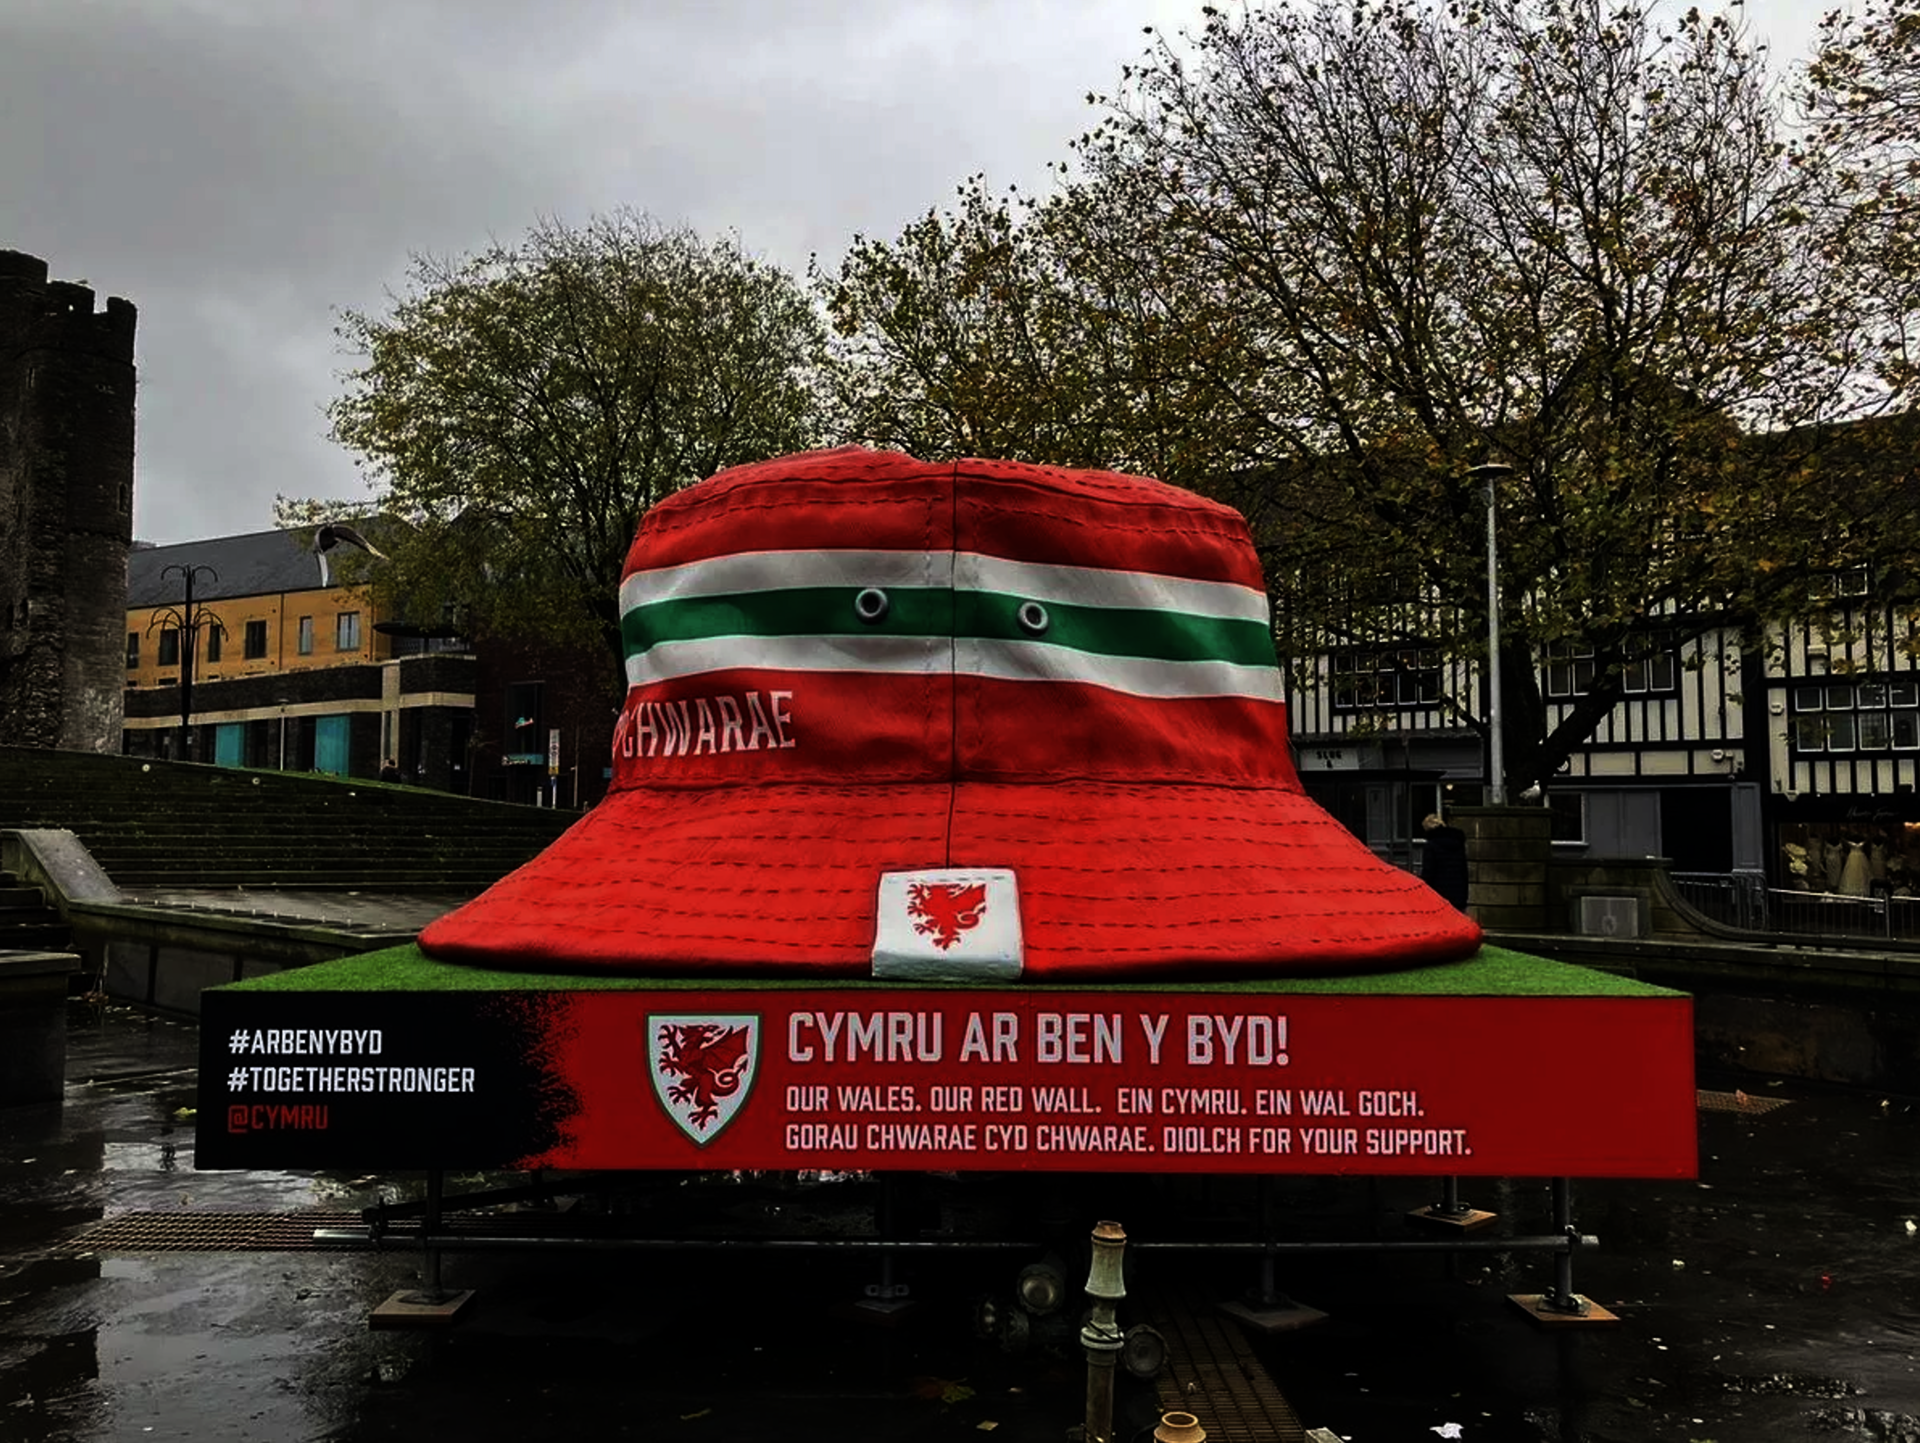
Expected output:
{"points": [[517, 411], [1321, 259], [1862, 98], [1324, 259]]}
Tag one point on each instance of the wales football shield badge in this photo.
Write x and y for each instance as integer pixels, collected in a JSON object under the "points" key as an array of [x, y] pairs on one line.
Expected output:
{"points": [[702, 1069]]}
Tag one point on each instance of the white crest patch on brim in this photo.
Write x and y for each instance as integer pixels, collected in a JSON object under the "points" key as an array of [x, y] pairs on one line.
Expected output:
{"points": [[959, 924], [702, 1069]]}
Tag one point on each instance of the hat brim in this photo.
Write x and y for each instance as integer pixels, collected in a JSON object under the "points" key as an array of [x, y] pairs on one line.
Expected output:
{"points": [[1115, 881]]}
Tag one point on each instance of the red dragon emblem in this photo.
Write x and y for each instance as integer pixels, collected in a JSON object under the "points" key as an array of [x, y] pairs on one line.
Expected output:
{"points": [[943, 910], [706, 1062]]}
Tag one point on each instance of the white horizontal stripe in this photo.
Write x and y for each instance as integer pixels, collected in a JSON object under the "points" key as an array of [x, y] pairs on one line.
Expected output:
{"points": [[1135, 676], [747, 571], [751, 571], [925, 656], [1093, 586], [877, 653]]}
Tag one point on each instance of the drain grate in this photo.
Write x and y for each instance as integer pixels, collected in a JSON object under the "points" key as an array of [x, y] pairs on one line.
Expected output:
{"points": [[1738, 1102], [207, 1232], [1212, 1373]]}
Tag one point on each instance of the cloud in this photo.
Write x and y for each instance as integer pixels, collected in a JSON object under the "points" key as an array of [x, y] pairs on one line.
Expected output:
{"points": [[241, 169]]}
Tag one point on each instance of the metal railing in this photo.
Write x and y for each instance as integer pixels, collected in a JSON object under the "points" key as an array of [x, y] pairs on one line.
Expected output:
{"points": [[1737, 899], [1827, 913], [1745, 901]]}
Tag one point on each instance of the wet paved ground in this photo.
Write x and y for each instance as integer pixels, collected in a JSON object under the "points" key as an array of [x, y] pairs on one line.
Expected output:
{"points": [[1777, 1298]]}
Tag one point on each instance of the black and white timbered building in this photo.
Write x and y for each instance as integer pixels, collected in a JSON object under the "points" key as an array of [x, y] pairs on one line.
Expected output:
{"points": [[1790, 763]]}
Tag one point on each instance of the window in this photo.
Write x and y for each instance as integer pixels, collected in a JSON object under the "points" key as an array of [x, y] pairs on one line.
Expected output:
{"points": [[169, 646], [256, 640], [346, 631], [1866, 716], [1388, 677], [214, 632], [1649, 666], [1649, 663], [1569, 816], [1851, 582], [133, 650], [525, 737], [306, 636], [1569, 668]]}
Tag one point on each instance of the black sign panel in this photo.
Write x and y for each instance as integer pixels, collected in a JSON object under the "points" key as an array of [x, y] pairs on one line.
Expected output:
{"points": [[375, 1079]]}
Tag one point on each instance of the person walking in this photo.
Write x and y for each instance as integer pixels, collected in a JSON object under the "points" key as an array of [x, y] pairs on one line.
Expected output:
{"points": [[1444, 867]]}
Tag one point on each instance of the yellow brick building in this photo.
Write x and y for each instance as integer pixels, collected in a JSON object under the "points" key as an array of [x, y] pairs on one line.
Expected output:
{"points": [[279, 667]]}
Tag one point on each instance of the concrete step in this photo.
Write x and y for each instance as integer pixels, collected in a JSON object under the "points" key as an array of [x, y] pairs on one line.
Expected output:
{"points": [[26, 937], [174, 818], [420, 879], [178, 826], [357, 862]]}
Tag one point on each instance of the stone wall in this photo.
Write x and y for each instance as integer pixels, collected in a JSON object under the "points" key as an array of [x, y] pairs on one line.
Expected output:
{"points": [[1508, 849], [66, 508], [1645, 879]]}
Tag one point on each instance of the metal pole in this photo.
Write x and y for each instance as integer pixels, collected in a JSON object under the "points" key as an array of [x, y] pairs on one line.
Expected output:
{"points": [[189, 629], [430, 1228], [1491, 472], [887, 1215], [186, 670], [537, 1243], [1564, 1296], [1101, 1336], [1269, 1292]]}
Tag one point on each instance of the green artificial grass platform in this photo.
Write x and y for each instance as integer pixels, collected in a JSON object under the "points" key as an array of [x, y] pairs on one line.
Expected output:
{"points": [[1490, 972]]}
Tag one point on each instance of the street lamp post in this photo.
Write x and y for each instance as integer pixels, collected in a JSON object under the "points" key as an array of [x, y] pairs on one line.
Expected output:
{"points": [[187, 628], [1490, 472]]}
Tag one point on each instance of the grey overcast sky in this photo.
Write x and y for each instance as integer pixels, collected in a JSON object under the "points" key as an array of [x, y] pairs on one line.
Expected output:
{"points": [[241, 169]]}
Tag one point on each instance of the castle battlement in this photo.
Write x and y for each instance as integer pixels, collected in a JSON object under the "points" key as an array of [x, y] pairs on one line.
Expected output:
{"points": [[66, 481], [42, 314]]}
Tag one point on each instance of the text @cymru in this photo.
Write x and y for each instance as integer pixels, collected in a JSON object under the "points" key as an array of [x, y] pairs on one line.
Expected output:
{"points": [[1206, 1039]]}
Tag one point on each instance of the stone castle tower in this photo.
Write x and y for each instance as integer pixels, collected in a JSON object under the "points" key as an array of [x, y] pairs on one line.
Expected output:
{"points": [[66, 509]]}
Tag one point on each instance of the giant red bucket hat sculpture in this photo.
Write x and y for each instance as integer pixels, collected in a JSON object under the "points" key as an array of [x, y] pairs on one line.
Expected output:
{"points": [[949, 721]]}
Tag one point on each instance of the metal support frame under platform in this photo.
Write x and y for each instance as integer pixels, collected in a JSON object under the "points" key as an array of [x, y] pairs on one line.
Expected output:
{"points": [[1451, 1212], [432, 1305], [1563, 1307]]}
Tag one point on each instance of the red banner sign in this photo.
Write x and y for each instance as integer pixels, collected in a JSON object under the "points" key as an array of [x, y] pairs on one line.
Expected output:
{"points": [[1210, 1082]]}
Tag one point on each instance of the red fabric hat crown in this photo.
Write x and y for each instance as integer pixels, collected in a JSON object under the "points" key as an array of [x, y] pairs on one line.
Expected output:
{"points": [[959, 719]]}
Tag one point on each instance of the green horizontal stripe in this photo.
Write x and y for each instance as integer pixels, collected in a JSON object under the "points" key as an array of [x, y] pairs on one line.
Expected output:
{"points": [[806, 611], [938, 612], [1111, 631]]}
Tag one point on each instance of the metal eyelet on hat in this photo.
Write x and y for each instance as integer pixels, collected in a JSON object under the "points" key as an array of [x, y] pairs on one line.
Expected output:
{"points": [[871, 605], [1032, 617]]}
